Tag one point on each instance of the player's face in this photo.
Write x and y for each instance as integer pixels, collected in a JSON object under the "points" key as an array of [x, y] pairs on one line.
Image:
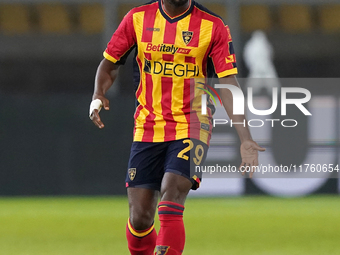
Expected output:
{"points": [[177, 3]]}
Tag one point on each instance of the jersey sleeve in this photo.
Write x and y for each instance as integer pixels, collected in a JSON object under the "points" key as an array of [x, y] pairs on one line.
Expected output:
{"points": [[122, 41], [222, 52]]}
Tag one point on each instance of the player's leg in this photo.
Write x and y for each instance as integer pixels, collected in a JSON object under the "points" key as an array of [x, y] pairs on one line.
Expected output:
{"points": [[143, 182], [175, 188], [171, 236], [177, 182], [142, 207], [140, 231]]}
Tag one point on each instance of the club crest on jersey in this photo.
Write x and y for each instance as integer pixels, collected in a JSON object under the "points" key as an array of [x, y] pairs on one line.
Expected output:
{"points": [[187, 36], [132, 173], [162, 250]]}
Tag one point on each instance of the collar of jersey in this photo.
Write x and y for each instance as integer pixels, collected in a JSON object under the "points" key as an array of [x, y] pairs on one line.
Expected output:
{"points": [[177, 18]]}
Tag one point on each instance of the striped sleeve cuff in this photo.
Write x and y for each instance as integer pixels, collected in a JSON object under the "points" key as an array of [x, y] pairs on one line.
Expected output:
{"points": [[227, 73], [109, 57]]}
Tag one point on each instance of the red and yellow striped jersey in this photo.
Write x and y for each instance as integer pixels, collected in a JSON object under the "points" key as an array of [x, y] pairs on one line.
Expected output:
{"points": [[172, 54]]}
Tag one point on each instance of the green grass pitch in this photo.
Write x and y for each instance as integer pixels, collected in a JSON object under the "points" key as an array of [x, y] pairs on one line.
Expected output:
{"points": [[237, 226]]}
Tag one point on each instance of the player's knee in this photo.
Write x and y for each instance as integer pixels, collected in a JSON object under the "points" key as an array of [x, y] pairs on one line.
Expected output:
{"points": [[140, 219], [175, 188], [174, 194]]}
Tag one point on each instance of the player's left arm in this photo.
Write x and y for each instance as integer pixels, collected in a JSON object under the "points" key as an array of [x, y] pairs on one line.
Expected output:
{"points": [[224, 59], [249, 148]]}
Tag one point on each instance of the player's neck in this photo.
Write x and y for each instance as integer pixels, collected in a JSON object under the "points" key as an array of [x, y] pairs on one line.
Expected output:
{"points": [[174, 10]]}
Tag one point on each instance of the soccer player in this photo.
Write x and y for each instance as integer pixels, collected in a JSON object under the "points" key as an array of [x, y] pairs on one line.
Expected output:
{"points": [[176, 42]]}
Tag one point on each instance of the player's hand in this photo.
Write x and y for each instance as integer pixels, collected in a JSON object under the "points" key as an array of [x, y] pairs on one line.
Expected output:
{"points": [[94, 115], [249, 153]]}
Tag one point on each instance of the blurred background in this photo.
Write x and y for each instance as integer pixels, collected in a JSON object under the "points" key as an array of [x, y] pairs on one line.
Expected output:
{"points": [[49, 53]]}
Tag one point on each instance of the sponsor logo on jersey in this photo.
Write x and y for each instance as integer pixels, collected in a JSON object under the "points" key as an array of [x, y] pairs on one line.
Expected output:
{"points": [[162, 250], [147, 66], [205, 126], [166, 48], [155, 29], [229, 34], [187, 36], [132, 173], [170, 69], [230, 59]]}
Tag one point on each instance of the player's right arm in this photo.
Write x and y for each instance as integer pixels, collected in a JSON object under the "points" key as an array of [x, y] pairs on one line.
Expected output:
{"points": [[106, 74], [120, 45]]}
